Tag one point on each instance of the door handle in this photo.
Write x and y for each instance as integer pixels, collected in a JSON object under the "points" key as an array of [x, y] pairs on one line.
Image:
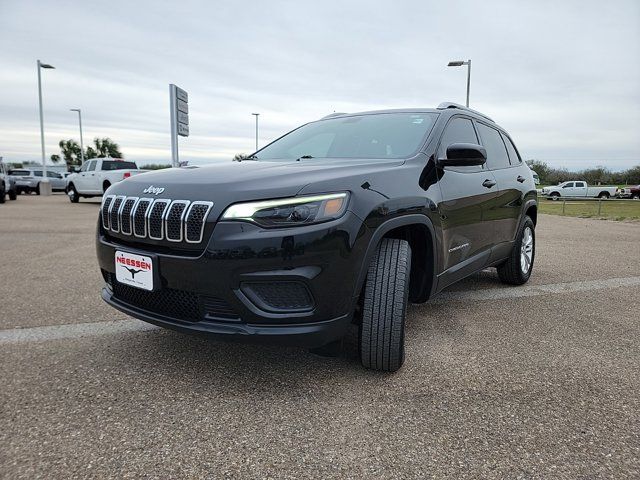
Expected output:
{"points": [[488, 183], [520, 178]]}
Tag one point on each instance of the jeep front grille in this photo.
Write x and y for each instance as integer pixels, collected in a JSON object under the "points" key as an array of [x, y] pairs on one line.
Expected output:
{"points": [[156, 219]]}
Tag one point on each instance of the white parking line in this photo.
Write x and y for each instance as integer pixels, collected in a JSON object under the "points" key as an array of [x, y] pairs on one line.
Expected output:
{"points": [[79, 330], [534, 290]]}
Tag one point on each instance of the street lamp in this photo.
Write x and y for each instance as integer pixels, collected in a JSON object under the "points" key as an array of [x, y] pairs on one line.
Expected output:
{"points": [[460, 63], [47, 187], [256, 115], [80, 121]]}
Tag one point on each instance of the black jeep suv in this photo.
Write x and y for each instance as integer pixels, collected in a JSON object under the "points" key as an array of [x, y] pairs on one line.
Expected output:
{"points": [[331, 228]]}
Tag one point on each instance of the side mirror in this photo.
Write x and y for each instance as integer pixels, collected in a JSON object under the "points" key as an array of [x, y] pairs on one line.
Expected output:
{"points": [[464, 155]]}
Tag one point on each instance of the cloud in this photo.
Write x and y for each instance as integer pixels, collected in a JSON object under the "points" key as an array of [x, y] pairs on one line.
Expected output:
{"points": [[561, 77]]}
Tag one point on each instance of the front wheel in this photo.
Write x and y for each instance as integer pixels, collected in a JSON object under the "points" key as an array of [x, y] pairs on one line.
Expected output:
{"points": [[554, 196], [517, 269], [386, 294], [13, 194]]}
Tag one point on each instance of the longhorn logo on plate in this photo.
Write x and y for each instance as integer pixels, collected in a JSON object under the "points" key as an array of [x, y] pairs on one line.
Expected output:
{"points": [[154, 190]]}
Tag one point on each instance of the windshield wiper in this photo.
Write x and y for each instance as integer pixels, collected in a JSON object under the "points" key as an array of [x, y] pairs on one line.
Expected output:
{"points": [[303, 156]]}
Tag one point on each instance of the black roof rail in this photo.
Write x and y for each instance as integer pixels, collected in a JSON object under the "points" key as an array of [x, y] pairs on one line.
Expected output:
{"points": [[445, 105], [334, 114]]}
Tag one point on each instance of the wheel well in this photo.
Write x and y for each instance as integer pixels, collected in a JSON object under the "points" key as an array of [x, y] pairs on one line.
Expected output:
{"points": [[532, 212], [422, 259], [106, 184]]}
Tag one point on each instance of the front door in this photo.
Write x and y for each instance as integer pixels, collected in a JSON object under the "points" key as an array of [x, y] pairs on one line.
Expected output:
{"points": [[466, 193]]}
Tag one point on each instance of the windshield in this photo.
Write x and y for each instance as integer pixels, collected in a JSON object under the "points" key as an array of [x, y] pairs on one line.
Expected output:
{"points": [[384, 135], [118, 165]]}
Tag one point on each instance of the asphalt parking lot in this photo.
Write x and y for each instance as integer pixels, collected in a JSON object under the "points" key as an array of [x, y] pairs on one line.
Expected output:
{"points": [[540, 381]]}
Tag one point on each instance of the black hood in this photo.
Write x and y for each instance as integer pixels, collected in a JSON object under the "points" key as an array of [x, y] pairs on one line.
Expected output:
{"points": [[247, 180]]}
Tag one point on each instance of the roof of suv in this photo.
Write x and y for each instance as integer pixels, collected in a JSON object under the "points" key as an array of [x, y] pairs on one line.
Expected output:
{"points": [[440, 108]]}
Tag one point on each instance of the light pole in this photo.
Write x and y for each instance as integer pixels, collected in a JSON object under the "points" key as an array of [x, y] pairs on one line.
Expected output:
{"points": [[460, 63], [79, 121], [256, 115], [47, 187]]}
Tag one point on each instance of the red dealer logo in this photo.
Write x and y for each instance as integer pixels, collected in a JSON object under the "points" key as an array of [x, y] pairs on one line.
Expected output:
{"points": [[137, 265]]}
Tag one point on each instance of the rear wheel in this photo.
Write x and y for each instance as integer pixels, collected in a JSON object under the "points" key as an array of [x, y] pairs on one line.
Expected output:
{"points": [[105, 186], [73, 194], [38, 189], [604, 195], [2, 193], [13, 194], [386, 294], [635, 196], [517, 269]]}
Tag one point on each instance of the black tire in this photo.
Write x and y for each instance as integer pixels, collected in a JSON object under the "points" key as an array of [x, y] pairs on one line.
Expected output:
{"points": [[635, 196], [386, 294], [73, 194], [38, 189], [3, 194], [603, 195], [105, 186], [511, 272], [554, 196], [13, 194]]}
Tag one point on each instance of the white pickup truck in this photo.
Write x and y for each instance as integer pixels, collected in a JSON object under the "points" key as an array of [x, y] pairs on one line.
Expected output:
{"points": [[97, 175], [579, 188]]}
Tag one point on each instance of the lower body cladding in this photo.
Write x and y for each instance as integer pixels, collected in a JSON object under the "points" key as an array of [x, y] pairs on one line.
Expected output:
{"points": [[287, 286]]}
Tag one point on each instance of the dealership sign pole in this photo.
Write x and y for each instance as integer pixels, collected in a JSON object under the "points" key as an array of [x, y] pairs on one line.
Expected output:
{"points": [[179, 119]]}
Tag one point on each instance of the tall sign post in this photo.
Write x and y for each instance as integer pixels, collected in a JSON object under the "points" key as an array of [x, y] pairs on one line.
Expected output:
{"points": [[179, 100]]}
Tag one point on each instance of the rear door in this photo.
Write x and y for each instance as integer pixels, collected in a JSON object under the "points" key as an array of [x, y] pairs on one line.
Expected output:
{"points": [[580, 189], [466, 192], [504, 211]]}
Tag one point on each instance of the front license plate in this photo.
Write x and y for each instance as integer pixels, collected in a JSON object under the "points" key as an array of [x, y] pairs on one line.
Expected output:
{"points": [[134, 270]]}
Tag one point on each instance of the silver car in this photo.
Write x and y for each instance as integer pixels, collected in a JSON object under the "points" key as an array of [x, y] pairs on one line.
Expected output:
{"points": [[28, 180]]}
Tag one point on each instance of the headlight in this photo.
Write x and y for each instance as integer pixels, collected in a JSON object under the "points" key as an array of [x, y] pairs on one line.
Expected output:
{"points": [[289, 212]]}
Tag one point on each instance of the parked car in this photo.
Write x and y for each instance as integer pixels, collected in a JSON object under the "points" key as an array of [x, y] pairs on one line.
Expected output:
{"points": [[578, 189], [330, 229], [97, 175], [28, 180], [7, 184], [629, 192]]}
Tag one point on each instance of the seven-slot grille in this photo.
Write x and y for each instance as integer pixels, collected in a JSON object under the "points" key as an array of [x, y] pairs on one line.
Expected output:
{"points": [[157, 219]]}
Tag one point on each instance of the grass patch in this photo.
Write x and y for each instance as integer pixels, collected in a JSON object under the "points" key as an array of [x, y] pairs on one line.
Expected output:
{"points": [[610, 210]]}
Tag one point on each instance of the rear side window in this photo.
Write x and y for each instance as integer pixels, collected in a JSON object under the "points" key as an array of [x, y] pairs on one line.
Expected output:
{"points": [[458, 130], [514, 158], [580, 185], [37, 173], [118, 165], [496, 151]]}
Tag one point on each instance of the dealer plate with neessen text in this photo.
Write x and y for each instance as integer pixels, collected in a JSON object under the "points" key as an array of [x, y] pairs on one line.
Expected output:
{"points": [[134, 270]]}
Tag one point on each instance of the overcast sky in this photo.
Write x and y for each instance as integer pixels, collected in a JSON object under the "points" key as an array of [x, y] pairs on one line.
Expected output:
{"points": [[562, 77]]}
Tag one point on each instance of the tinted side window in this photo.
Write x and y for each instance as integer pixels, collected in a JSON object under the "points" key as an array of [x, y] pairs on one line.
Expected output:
{"points": [[37, 173], [458, 130], [514, 158], [496, 151], [568, 185]]}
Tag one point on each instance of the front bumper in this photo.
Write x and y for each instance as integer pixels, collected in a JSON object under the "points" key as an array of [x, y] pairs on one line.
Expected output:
{"points": [[324, 258], [304, 335]]}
